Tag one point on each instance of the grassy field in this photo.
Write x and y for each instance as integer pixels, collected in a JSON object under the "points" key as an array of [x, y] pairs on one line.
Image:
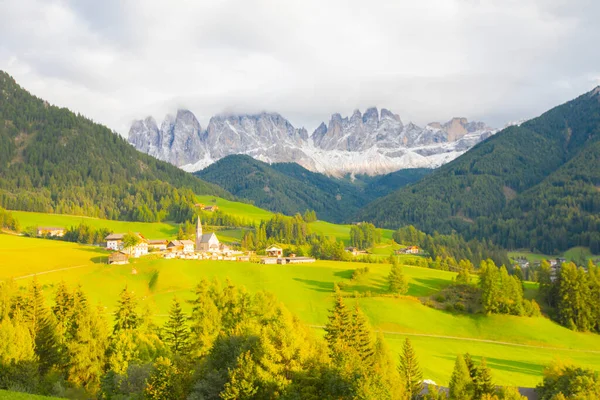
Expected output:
{"points": [[307, 291], [573, 254], [241, 210], [157, 230], [8, 395]]}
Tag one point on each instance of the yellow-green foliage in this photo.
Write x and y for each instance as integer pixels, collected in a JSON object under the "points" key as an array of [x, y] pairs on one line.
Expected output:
{"points": [[307, 291]]}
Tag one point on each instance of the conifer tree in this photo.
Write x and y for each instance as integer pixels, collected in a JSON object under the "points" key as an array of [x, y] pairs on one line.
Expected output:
{"points": [[126, 316], [164, 383], [361, 337], [338, 328], [241, 384], [397, 280], [484, 383], [473, 370], [205, 320], [460, 387], [409, 370], [176, 330]]}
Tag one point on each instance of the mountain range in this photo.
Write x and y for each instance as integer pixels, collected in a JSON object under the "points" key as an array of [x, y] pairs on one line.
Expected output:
{"points": [[536, 185], [372, 143]]}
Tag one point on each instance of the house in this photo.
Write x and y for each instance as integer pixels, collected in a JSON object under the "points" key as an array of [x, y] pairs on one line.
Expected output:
{"points": [[114, 241], [207, 242], [181, 246], [299, 260], [158, 244], [118, 257], [274, 251], [352, 250], [53, 231], [210, 208], [408, 250], [268, 260]]}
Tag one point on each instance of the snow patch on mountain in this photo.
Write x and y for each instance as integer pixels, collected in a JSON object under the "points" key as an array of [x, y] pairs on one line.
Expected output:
{"points": [[371, 143]]}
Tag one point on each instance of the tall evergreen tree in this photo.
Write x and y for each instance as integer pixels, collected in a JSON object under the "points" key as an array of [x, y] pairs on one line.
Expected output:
{"points": [[409, 370], [241, 384], [484, 385], [361, 337], [126, 316], [205, 320], [338, 328], [176, 330], [397, 281], [460, 387]]}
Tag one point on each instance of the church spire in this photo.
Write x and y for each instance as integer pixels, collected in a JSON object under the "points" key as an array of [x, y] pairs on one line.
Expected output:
{"points": [[198, 233]]}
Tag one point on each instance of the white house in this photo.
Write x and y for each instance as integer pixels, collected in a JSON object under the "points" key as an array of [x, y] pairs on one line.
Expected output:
{"points": [[114, 241]]}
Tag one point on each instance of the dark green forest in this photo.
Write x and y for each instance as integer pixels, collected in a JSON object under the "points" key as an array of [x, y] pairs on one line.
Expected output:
{"points": [[530, 186], [52, 160], [290, 188]]}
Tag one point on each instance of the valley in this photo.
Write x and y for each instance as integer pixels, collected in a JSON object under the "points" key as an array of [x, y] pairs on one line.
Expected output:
{"points": [[517, 348]]}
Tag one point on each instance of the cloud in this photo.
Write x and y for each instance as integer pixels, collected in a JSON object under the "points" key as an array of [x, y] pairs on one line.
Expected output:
{"points": [[116, 61]]}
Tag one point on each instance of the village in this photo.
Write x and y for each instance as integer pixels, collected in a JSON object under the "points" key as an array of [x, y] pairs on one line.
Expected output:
{"points": [[206, 246]]}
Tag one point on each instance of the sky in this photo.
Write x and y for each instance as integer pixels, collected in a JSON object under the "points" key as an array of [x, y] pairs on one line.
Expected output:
{"points": [[428, 60]]}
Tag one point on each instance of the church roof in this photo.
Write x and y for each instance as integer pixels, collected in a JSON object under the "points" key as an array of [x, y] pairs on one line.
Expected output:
{"points": [[206, 237]]}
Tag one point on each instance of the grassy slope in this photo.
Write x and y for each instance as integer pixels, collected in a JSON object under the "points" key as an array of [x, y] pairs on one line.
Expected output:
{"points": [[307, 289], [5, 394], [156, 230]]}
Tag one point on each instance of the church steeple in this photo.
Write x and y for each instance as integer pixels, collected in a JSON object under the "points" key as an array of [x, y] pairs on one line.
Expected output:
{"points": [[198, 233]]}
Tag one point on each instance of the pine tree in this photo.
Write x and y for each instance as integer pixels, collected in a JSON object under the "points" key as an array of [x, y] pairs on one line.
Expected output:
{"points": [[397, 281], [176, 330], [361, 337], [126, 316], [484, 383], [241, 384], [163, 383], [205, 320], [338, 328], [473, 370], [409, 370], [460, 381]]}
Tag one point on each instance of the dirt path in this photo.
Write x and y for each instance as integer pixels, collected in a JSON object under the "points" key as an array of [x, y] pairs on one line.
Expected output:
{"points": [[478, 340], [50, 271]]}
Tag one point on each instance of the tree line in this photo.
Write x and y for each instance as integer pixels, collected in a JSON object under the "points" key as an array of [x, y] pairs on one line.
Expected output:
{"points": [[230, 345]]}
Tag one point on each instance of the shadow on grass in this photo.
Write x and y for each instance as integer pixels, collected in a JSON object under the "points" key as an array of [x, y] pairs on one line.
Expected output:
{"points": [[99, 260], [507, 365], [347, 274], [317, 286], [377, 286], [426, 286]]}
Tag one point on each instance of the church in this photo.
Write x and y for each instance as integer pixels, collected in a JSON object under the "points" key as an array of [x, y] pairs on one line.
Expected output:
{"points": [[207, 242]]}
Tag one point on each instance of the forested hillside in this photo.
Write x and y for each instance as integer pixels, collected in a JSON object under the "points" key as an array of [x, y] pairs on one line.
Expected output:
{"points": [[53, 160], [534, 185], [290, 188]]}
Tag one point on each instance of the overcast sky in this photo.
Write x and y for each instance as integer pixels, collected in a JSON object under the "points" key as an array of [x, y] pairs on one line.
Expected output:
{"points": [[426, 60]]}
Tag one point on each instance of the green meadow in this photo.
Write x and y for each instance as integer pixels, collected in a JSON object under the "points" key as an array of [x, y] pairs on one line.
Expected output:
{"points": [[151, 230], [237, 209], [8, 395], [524, 345]]}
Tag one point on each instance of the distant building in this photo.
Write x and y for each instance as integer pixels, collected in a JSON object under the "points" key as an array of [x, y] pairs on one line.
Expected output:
{"points": [[207, 242], [181, 246], [274, 251], [114, 241], [158, 244], [352, 250], [408, 250], [118, 257], [53, 231], [210, 208], [268, 260], [299, 260]]}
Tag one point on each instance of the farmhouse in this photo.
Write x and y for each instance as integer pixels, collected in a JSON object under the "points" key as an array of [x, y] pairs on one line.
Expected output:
{"points": [[181, 246], [408, 250], [114, 241], [158, 244], [274, 251], [53, 231], [299, 260], [268, 260], [118, 257], [210, 208]]}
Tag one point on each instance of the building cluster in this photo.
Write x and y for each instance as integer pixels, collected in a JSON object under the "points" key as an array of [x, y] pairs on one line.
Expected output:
{"points": [[275, 256]]}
